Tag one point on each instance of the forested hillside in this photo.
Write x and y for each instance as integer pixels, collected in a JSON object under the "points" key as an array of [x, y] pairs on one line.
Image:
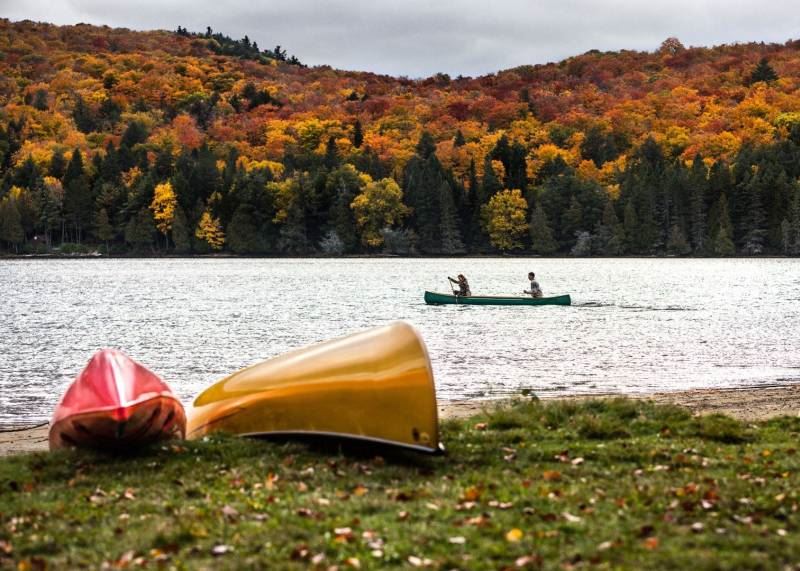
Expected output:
{"points": [[179, 142]]}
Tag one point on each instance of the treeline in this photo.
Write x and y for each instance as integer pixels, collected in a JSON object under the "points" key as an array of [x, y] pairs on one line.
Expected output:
{"points": [[221, 44], [132, 199]]}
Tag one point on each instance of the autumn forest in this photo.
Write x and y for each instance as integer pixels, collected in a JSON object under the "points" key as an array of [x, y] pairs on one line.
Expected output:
{"points": [[181, 142]]}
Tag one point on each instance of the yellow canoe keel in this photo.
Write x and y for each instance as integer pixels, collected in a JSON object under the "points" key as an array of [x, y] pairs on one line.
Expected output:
{"points": [[374, 385]]}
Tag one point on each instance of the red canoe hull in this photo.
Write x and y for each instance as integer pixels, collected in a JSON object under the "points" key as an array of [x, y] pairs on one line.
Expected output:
{"points": [[116, 404]]}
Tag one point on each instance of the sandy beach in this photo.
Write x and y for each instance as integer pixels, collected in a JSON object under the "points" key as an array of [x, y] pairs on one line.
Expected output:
{"points": [[751, 404], [745, 403]]}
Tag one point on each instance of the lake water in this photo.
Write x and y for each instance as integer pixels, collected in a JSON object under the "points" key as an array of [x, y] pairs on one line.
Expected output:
{"points": [[636, 325]]}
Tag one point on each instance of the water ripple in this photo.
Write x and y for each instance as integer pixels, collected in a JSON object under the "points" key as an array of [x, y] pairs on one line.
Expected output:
{"points": [[637, 325]]}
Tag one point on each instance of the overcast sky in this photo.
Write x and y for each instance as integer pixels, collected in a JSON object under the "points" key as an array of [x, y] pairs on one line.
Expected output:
{"points": [[419, 38]]}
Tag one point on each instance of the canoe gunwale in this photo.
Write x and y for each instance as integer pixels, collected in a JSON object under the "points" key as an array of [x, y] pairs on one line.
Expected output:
{"points": [[438, 450]]}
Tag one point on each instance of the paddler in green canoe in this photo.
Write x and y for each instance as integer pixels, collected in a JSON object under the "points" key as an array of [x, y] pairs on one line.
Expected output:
{"points": [[463, 285], [535, 290]]}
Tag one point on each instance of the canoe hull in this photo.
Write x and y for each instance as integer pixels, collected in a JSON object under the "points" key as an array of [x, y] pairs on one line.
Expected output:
{"points": [[116, 405], [434, 298], [158, 418], [376, 385]]}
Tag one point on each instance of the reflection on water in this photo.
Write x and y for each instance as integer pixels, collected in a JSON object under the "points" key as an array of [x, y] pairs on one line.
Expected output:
{"points": [[635, 325]]}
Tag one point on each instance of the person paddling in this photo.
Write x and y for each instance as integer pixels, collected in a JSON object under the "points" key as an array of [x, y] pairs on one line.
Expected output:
{"points": [[535, 290], [463, 285]]}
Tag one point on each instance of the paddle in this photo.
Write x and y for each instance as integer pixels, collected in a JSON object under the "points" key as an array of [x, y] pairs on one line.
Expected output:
{"points": [[450, 285]]}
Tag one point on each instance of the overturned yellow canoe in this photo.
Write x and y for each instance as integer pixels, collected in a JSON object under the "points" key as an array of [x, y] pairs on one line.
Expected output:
{"points": [[375, 385]]}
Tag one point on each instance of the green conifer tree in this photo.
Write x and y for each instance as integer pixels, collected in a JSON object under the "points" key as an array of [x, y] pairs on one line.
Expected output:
{"points": [[181, 235], [11, 230], [58, 164], [358, 135], [451, 235], [611, 233], [698, 190], [140, 230], [755, 234], [794, 224], [631, 227], [542, 241], [242, 233], [572, 222], [102, 227], [677, 244], [78, 203], [763, 72], [722, 243]]}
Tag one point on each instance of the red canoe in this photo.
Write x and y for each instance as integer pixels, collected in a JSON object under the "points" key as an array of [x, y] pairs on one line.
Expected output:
{"points": [[116, 404]]}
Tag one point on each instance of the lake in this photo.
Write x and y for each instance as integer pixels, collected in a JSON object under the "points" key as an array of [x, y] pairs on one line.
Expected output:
{"points": [[636, 325]]}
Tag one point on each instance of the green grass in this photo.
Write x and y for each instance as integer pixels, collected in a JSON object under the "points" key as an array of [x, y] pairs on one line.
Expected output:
{"points": [[603, 484]]}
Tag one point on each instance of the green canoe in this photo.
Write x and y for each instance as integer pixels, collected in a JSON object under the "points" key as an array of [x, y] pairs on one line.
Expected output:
{"points": [[433, 298]]}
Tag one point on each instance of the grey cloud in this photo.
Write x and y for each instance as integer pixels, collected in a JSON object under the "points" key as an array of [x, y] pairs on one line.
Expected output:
{"points": [[418, 38]]}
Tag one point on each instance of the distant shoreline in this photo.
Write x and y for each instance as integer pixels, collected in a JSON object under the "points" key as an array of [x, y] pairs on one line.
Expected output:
{"points": [[521, 256], [747, 403]]}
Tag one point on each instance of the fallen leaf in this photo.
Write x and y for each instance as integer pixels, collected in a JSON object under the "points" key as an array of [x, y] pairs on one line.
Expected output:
{"points": [[528, 561], [481, 426], [458, 540], [501, 505], [360, 490], [343, 534], [353, 562], [471, 494], [651, 543], [552, 475], [646, 531], [218, 550], [478, 521], [300, 553], [514, 535]]}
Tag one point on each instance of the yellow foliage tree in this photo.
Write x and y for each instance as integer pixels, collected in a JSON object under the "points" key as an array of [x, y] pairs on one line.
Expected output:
{"points": [[505, 219], [209, 230], [378, 206], [163, 207]]}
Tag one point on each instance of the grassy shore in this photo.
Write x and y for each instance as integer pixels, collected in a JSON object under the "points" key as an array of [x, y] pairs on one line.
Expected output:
{"points": [[554, 485]]}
